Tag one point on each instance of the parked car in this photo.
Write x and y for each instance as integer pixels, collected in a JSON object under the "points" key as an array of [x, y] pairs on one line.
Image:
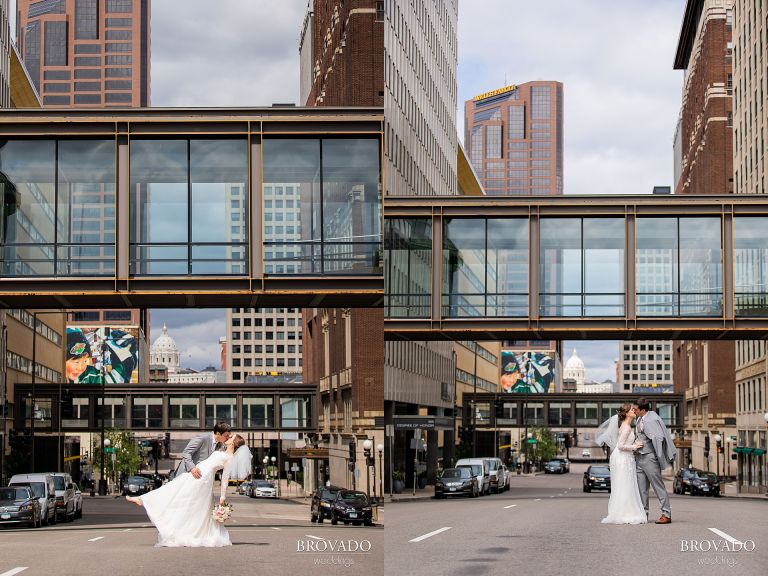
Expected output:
{"points": [[352, 507], [507, 476], [245, 488], [566, 463], [554, 467], [457, 482], [495, 475], [695, 481], [322, 500], [78, 502], [263, 489], [136, 485], [597, 478], [44, 490], [481, 471], [18, 505], [65, 496]]}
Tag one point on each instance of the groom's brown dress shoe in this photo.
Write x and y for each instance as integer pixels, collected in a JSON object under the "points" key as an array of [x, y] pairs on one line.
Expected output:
{"points": [[664, 520]]}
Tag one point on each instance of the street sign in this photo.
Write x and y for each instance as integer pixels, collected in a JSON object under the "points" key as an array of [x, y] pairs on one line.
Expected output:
{"points": [[531, 440], [287, 464], [294, 468], [109, 450], [389, 430]]}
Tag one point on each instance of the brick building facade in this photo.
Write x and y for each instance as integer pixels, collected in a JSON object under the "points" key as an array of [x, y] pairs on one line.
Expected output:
{"points": [[341, 59], [705, 371], [345, 41]]}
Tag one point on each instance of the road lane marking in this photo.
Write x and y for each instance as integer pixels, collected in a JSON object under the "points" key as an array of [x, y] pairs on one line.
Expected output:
{"points": [[127, 529], [315, 537], [430, 534], [551, 496], [14, 571], [275, 528], [510, 506], [537, 500], [93, 540], [720, 533]]}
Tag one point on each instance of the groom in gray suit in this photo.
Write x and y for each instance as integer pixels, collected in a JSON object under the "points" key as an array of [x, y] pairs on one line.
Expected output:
{"points": [[657, 451], [202, 446]]}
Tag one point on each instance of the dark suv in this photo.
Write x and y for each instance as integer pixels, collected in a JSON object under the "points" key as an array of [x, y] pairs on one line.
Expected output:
{"points": [[597, 478], [696, 481], [322, 503]]}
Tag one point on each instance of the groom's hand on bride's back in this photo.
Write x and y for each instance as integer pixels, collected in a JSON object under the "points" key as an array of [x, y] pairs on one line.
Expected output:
{"points": [[195, 472]]}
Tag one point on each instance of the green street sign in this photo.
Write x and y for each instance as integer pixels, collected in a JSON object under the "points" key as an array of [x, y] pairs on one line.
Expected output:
{"points": [[531, 440], [109, 450]]}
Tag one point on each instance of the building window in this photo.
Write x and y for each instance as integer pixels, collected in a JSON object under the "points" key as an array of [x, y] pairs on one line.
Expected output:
{"points": [[55, 43], [516, 126], [540, 102], [380, 11], [86, 20], [117, 315], [119, 6]]}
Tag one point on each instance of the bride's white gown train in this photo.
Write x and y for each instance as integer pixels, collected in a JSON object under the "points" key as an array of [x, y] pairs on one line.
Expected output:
{"points": [[181, 509], [624, 505]]}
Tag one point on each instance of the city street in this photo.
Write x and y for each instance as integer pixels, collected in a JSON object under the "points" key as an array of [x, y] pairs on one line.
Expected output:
{"points": [[269, 537], [548, 525]]}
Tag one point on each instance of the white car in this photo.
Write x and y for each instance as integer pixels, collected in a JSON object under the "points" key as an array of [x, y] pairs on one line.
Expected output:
{"points": [[480, 470], [263, 489], [585, 453]]}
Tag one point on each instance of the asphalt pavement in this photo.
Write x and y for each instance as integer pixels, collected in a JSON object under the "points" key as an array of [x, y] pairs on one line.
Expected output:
{"points": [[270, 537], [547, 525]]}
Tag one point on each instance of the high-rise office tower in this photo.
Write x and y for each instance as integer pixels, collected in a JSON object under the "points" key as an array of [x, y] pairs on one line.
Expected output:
{"points": [[514, 136], [704, 371], [87, 52], [645, 366], [341, 54], [420, 62], [749, 52], [421, 158]]}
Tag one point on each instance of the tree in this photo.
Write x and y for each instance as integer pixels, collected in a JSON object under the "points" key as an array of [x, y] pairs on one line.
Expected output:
{"points": [[546, 447], [127, 456]]}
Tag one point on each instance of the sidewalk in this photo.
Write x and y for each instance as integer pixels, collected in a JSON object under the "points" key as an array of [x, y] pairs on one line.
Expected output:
{"points": [[730, 490]]}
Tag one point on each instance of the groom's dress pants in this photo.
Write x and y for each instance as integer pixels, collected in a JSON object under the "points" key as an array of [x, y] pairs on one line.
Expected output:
{"points": [[649, 472]]}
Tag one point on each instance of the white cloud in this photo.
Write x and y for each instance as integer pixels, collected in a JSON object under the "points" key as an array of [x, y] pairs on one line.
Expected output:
{"points": [[225, 53], [621, 95], [196, 333]]}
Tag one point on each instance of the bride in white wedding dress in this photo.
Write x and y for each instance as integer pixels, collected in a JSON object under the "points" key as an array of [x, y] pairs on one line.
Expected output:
{"points": [[181, 510], [624, 505]]}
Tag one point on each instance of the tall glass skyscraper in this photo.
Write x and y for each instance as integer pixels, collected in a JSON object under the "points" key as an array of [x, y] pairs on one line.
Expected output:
{"points": [[86, 53], [514, 136]]}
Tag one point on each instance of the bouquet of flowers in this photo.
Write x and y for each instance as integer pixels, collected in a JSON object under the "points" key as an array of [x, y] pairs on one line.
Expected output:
{"points": [[222, 512]]}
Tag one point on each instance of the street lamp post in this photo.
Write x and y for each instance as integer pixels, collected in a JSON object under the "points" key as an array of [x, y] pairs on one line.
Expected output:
{"points": [[380, 450], [102, 479], [34, 381], [765, 478], [275, 474], [367, 450], [266, 462], [528, 436], [718, 440]]}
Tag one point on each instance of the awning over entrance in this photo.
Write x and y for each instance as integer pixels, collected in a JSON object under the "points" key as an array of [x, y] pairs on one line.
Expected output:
{"points": [[749, 450]]}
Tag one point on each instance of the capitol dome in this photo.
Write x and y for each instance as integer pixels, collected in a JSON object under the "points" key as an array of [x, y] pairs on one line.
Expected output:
{"points": [[575, 370], [165, 352], [574, 362]]}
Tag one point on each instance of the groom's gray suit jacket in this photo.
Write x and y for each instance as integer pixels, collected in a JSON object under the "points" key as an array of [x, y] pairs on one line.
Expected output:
{"points": [[198, 449]]}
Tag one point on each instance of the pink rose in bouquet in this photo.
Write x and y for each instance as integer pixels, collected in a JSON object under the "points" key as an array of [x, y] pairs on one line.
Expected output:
{"points": [[222, 512]]}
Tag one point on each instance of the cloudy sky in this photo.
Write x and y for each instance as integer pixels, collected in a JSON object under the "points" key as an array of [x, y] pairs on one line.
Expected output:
{"points": [[621, 95], [614, 58], [243, 53]]}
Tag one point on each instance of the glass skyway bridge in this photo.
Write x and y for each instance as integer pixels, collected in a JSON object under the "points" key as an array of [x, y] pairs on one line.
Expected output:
{"points": [[576, 267], [191, 207]]}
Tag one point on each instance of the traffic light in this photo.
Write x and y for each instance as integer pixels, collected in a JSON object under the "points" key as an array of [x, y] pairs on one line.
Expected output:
{"points": [[155, 450], [498, 407], [462, 434], [706, 446], [13, 439], [567, 441], [352, 452], [719, 446], [67, 406]]}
